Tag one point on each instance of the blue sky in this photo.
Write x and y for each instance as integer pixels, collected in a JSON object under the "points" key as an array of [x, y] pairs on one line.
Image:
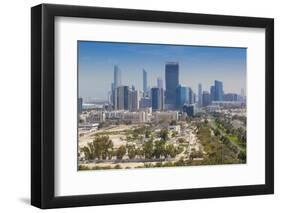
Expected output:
{"points": [[197, 64]]}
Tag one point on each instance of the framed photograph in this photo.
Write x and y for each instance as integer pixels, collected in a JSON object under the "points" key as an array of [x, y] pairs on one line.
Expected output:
{"points": [[139, 106]]}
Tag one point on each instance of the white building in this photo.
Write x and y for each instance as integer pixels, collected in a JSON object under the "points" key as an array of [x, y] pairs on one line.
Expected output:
{"points": [[117, 114], [134, 117], [166, 116], [175, 128], [93, 117]]}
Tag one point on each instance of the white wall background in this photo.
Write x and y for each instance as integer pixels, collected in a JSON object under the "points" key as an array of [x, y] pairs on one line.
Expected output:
{"points": [[15, 105]]}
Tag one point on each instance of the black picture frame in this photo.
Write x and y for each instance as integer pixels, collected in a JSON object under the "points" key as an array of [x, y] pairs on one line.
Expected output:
{"points": [[43, 102]]}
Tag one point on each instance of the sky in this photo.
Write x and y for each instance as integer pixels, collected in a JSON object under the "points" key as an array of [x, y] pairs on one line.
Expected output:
{"points": [[197, 64]]}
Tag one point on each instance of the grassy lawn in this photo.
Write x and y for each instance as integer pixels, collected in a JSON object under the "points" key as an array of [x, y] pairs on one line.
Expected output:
{"points": [[235, 140]]}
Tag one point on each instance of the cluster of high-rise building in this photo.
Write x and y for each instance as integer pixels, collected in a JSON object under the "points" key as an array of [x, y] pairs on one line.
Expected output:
{"points": [[172, 98], [175, 96]]}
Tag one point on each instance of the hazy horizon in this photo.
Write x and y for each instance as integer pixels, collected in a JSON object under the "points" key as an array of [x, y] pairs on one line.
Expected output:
{"points": [[197, 64]]}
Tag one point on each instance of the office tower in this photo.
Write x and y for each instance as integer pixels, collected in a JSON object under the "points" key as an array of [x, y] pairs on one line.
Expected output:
{"points": [[127, 98], [230, 97], [218, 91], [171, 81], [134, 100], [112, 94], [189, 109], [199, 95], [160, 83], [144, 81], [117, 77], [190, 96], [155, 99], [145, 102], [80, 105], [119, 98], [206, 99], [161, 88], [161, 99], [123, 98], [116, 83], [212, 93], [193, 97], [181, 96]]}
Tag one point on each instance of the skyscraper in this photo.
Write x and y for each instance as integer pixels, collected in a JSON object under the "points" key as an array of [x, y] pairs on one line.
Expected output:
{"points": [[206, 99], [127, 98], [119, 94], [145, 102], [189, 109], [144, 81], [181, 96], [134, 100], [155, 98], [161, 88], [117, 77], [116, 83], [123, 98], [190, 96], [199, 94], [218, 91], [172, 81], [212, 93], [230, 97], [159, 83], [112, 94]]}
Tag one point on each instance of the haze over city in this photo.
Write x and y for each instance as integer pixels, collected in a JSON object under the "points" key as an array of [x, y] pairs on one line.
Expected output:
{"points": [[196, 65]]}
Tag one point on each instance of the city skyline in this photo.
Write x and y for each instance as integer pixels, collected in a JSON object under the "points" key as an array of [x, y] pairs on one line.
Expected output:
{"points": [[197, 65]]}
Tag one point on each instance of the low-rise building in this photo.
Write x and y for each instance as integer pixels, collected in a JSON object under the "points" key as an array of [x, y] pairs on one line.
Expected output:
{"points": [[134, 117], [175, 128], [94, 117], [166, 116]]}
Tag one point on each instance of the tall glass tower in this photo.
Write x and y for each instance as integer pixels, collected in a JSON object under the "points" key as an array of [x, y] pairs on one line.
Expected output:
{"points": [[172, 81], [200, 95], [155, 98], [144, 81], [123, 98], [116, 83], [117, 77], [181, 96], [218, 91], [212, 93]]}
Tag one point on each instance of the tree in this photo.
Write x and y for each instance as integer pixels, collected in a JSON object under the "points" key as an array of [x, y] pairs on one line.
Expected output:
{"points": [[139, 152], [148, 149], [217, 132], [181, 140], [111, 153], [242, 156], [89, 151], [159, 149], [102, 145], [121, 151], [147, 133], [171, 151], [132, 151], [164, 134]]}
